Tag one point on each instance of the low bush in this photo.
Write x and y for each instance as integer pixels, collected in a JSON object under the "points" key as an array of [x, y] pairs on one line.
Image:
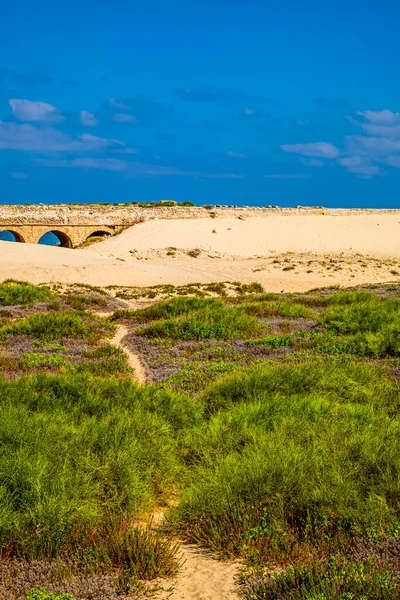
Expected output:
{"points": [[59, 325], [79, 456], [168, 309], [18, 292], [210, 323], [292, 456], [281, 308], [337, 579]]}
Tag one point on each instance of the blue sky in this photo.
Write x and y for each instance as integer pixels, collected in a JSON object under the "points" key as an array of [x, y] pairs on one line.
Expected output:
{"points": [[221, 102]]}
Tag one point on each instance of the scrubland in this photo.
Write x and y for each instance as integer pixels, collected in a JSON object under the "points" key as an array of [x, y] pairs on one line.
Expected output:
{"points": [[268, 431]]}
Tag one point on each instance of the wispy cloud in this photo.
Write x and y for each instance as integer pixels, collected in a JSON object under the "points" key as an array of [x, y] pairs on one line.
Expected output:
{"points": [[88, 119], [393, 161], [383, 117], [26, 110], [361, 166], [288, 176], [134, 169], [124, 118], [232, 154], [313, 162], [114, 103], [373, 147], [317, 149], [125, 151], [250, 112], [146, 111], [32, 139]]}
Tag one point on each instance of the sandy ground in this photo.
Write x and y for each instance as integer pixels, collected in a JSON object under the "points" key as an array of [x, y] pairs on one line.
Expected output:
{"points": [[290, 253]]}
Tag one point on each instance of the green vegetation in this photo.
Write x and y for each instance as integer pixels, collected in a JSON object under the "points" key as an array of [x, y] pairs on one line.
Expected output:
{"points": [[271, 432], [18, 292], [338, 579], [213, 322], [168, 309], [50, 326], [42, 594]]}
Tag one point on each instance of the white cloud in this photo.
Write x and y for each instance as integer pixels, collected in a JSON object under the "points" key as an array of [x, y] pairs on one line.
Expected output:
{"points": [[25, 110], [116, 104], [124, 118], [393, 161], [236, 154], [88, 119], [373, 147], [288, 176], [361, 166], [249, 111], [382, 130], [32, 139], [107, 164], [303, 122], [383, 117], [317, 149], [126, 151]]}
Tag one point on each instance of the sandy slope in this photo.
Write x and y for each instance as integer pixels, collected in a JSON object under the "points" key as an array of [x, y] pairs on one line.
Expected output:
{"points": [[377, 234], [322, 250]]}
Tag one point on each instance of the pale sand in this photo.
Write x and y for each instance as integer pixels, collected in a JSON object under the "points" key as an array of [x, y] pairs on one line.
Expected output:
{"points": [[324, 250], [134, 361]]}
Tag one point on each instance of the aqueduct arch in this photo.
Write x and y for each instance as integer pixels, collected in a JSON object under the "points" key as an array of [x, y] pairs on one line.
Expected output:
{"points": [[64, 239], [17, 236]]}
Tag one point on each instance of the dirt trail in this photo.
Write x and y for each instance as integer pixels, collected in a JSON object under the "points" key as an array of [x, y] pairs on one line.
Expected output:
{"points": [[201, 577], [133, 359]]}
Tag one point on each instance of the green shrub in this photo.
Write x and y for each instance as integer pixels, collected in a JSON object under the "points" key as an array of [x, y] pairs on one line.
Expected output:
{"points": [[80, 301], [210, 323], [59, 325], [79, 455], [292, 455], [361, 316], [42, 594], [279, 309], [339, 579], [18, 292], [168, 309]]}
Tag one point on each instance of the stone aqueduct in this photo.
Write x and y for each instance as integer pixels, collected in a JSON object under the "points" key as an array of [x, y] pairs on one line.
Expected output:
{"points": [[72, 225], [70, 236]]}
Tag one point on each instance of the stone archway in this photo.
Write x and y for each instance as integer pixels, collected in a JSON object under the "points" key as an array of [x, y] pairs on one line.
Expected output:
{"points": [[17, 236], [63, 238], [99, 234]]}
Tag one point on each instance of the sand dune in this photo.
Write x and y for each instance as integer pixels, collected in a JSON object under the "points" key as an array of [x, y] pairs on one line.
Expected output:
{"points": [[291, 252], [376, 234]]}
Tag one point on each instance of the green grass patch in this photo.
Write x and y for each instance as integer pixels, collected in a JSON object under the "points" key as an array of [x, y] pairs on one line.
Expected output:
{"points": [[168, 309], [291, 310], [51, 326], [213, 322], [273, 341], [290, 456], [18, 292], [79, 456]]}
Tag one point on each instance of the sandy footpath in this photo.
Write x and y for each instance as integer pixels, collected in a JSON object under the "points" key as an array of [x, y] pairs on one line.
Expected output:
{"points": [[292, 252]]}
